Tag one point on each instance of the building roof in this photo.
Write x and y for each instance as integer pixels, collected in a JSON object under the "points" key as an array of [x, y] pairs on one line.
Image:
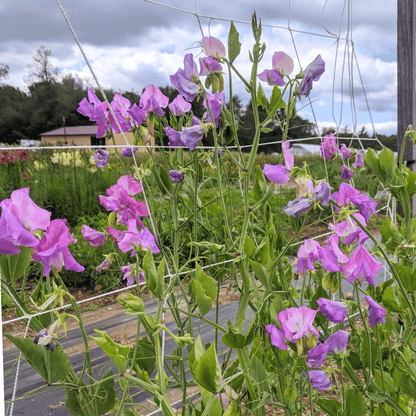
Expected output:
{"points": [[73, 131]]}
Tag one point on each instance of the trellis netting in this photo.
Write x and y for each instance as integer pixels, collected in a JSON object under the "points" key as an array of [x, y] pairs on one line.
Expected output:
{"points": [[345, 68]]}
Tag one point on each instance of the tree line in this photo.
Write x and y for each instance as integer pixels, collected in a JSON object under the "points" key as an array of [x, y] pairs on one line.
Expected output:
{"points": [[51, 98]]}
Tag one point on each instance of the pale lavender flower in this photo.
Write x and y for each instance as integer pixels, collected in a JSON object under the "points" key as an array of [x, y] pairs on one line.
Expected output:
{"points": [[213, 47], [289, 159], [307, 254], [333, 311], [153, 100], [129, 274], [358, 161], [317, 355], [174, 137], [298, 207], [272, 77], [103, 266], [179, 106], [312, 73], [101, 157], [319, 379], [346, 153], [128, 151], [297, 323], [191, 136], [95, 238], [361, 266], [349, 230], [176, 175], [209, 65], [346, 173], [337, 342], [322, 191], [376, 313], [283, 63], [137, 114], [276, 173], [185, 80], [329, 259], [329, 146], [277, 337]]}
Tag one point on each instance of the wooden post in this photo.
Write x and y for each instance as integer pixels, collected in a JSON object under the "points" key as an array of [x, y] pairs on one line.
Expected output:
{"points": [[406, 77]]}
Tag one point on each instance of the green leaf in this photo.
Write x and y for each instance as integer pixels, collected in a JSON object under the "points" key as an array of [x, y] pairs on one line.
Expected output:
{"points": [[408, 279], [117, 353], [410, 182], [262, 252], [13, 267], [227, 130], [145, 356], [133, 305], [234, 45], [208, 371], [356, 403], [154, 280], [259, 375], [329, 406], [261, 273], [387, 161], [82, 403], [262, 99], [195, 355], [52, 366], [276, 99], [390, 235], [165, 178], [390, 301], [372, 160], [260, 186], [408, 386], [388, 381], [249, 247], [233, 338], [206, 281], [203, 301], [330, 282]]}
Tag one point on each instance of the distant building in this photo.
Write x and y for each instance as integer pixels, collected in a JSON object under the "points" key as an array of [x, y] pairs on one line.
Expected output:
{"points": [[300, 149], [85, 136]]}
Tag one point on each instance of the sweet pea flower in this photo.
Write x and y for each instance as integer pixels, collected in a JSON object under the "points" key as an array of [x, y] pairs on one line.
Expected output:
{"points": [[128, 151], [376, 313], [137, 114], [129, 274], [317, 355], [53, 250], [333, 245], [95, 238], [103, 266], [337, 342], [191, 136], [348, 230], [272, 77], [153, 100], [276, 173], [176, 175], [298, 207], [282, 63], [277, 337], [359, 163], [215, 103], [213, 47], [184, 80], [346, 173], [346, 153], [179, 106], [101, 157], [307, 254], [43, 338], [174, 137], [312, 73], [333, 311], [209, 65], [322, 192], [361, 266], [329, 146], [289, 158], [319, 379], [297, 323], [328, 259]]}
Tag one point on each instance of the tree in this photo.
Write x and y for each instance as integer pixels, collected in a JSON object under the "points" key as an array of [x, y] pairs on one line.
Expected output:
{"points": [[4, 73], [42, 70]]}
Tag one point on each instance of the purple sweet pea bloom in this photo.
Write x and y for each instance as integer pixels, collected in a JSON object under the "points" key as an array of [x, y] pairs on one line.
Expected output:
{"points": [[184, 80], [95, 238], [312, 73], [95, 110], [191, 136], [209, 65], [174, 137], [277, 337], [307, 254], [289, 158], [359, 162], [329, 259], [129, 271], [361, 266], [333, 246], [131, 239], [322, 191], [153, 100], [53, 250], [213, 47], [179, 106], [283, 63], [297, 323], [329, 146], [346, 173], [137, 114], [346, 153], [298, 207], [101, 157], [333, 311], [176, 175], [319, 379], [215, 104], [376, 313], [349, 230], [317, 355], [272, 77], [103, 266], [128, 151], [337, 342], [276, 173]]}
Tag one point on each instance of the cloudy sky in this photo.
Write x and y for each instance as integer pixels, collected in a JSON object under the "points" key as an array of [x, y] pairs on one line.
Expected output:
{"points": [[133, 43]]}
